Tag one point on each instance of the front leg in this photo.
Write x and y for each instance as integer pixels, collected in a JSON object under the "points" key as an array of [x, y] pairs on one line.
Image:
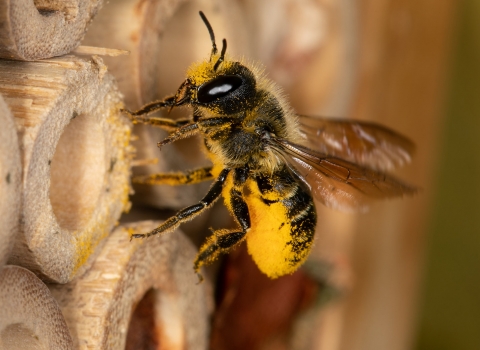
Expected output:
{"points": [[174, 179], [189, 213], [152, 107], [141, 116]]}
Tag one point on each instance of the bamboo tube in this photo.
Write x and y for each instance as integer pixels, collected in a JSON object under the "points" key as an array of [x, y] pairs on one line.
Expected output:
{"points": [[148, 281], [10, 176], [75, 155], [32, 30], [30, 317], [164, 38]]}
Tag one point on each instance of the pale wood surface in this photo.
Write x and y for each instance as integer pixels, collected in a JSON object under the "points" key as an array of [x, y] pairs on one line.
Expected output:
{"points": [[99, 304], [75, 156], [309, 48], [404, 48], [30, 318], [135, 26], [10, 177], [101, 51], [31, 30]]}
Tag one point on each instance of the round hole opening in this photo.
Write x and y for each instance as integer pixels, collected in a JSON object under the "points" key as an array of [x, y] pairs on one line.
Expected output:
{"points": [[18, 336], [142, 332], [77, 172], [156, 323]]}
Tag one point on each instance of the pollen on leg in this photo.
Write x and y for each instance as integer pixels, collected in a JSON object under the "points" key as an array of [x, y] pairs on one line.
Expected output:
{"points": [[221, 241]]}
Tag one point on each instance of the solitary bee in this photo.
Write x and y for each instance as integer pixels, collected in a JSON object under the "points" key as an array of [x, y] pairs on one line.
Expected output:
{"points": [[268, 162]]}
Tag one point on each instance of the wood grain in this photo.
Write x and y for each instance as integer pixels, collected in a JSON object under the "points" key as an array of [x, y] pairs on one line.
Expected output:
{"points": [[10, 177], [31, 30], [158, 272], [75, 156], [404, 47]]}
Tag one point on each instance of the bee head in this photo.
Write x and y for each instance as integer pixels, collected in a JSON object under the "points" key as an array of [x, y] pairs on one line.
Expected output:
{"points": [[218, 85]]}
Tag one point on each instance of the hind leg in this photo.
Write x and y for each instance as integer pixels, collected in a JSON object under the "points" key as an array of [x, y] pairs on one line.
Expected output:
{"points": [[222, 241]]}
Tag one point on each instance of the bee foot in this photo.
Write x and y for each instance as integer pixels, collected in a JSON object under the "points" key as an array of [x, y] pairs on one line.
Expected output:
{"points": [[138, 235]]}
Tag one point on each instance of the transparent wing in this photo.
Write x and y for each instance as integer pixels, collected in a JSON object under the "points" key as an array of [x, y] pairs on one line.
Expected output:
{"points": [[338, 183], [363, 143]]}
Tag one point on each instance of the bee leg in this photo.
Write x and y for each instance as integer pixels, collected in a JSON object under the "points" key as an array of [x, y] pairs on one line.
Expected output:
{"points": [[162, 123], [222, 241], [141, 116], [173, 179], [191, 128], [182, 132], [190, 212], [152, 107]]}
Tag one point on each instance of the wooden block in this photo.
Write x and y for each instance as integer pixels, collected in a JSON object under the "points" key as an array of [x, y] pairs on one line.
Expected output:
{"points": [[10, 177], [30, 317], [32, 30], [139, 289], [75, 155]]}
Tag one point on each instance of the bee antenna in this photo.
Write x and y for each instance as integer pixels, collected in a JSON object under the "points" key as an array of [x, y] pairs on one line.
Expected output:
{"points": [[210, 31], [222, 54]]}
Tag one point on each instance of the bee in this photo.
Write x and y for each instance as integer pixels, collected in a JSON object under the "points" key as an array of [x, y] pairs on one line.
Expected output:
{"points": [[269, 163]]}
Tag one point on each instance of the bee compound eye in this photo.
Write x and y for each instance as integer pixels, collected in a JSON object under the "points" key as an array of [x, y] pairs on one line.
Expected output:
{"points": [[218, 88]]}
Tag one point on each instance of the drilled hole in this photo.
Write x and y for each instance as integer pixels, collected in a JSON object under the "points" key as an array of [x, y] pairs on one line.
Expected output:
{"points": [[77, 172], [141, 330], [18, 336]]}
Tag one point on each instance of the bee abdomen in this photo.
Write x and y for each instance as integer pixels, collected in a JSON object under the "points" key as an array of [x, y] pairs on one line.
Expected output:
{"points": [[299, 204], [283, 223], [303, 219]]}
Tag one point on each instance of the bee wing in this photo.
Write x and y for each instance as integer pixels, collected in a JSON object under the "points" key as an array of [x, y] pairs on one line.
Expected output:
{"points": [[338, 183], [363, 143]]}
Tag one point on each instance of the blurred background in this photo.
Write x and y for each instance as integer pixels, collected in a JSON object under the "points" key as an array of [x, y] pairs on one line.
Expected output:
{"points": [[449, 308]]}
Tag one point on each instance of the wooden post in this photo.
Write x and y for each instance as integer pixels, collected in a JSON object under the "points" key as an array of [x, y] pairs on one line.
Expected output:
{"points": [[402, 74], [10, 177], [138, 289], [31, 30], [30, 317], [75, 157]]}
